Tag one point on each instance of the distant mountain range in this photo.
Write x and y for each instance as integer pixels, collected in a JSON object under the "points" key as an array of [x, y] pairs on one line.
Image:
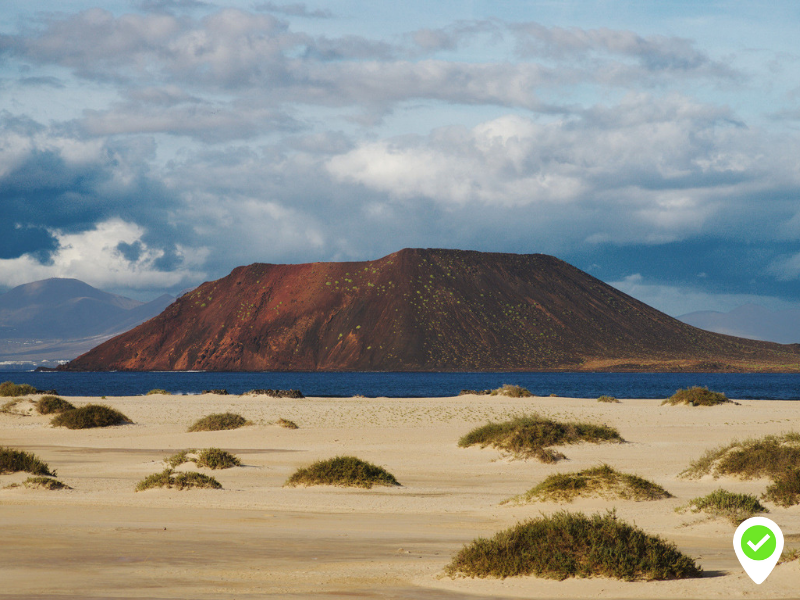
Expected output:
{"points": [[59, 319], [424, 310], [750, 321]]}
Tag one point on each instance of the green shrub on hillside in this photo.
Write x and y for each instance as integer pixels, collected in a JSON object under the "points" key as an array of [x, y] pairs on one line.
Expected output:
{"points": [[531, 436], [219, 422], [697, 396], [347, 471], [722, 503], [12, 461], [603, 481], [90, 416], [52, 404], [573, 545]]}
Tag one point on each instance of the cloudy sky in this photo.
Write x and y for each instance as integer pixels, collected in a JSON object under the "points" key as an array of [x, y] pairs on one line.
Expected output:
{"points": [[150, 145]]}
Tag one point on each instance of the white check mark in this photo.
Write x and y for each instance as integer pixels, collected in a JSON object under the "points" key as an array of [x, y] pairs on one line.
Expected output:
{"points": [[755, 547]]}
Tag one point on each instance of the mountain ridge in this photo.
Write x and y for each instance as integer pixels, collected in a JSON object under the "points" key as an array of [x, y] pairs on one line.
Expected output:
{"points": [[422, 310]]}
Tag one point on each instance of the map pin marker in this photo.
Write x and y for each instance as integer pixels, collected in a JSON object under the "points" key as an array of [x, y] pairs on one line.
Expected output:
{"points": [[758, 543]]}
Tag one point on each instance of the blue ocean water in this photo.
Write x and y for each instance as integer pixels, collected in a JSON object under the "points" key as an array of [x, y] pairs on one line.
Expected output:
{"points": [[577, 385]]}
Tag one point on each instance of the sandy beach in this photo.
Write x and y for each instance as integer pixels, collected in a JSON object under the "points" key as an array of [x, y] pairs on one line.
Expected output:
{"points": [[258, 539]]}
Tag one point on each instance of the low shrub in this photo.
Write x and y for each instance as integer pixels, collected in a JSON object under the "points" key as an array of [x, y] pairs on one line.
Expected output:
{"points": [[785, 488], [12, 461], [769, 456], [214, 458], [90, 416], [727, 505], [608, 399], [573, 545], [219, 422], [53, 404], [181, 481], [512, 391], [347, 471], [531, 436], [217, 392], [9, 388], [789, 555], [159, 392], [276, 393], [45, 483], [697, 396], [287, 424], [178, 459], [603, 481]]}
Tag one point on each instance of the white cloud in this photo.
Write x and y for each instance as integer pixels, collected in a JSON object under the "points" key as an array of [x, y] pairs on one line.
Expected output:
{"points": [[93, 256], [680, 300]]}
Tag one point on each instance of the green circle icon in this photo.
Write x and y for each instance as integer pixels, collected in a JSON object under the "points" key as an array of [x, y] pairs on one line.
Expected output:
{"points": [[758, 542]]}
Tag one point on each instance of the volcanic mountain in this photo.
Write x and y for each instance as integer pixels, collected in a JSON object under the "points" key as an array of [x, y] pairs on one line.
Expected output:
{"points": [[423, 310]]}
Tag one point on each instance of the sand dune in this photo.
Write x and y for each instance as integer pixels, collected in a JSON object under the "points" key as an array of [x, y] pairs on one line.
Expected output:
{"points": [[257, 539]]}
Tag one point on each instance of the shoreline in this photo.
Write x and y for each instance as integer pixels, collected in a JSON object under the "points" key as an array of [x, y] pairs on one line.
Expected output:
{"points": [[255, 538]]}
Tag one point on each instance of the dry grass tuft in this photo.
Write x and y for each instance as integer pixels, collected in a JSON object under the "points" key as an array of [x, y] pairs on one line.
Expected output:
{"points": [[287, 424]]}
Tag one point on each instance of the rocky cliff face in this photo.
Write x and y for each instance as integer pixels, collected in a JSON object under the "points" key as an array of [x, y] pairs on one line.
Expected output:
{"points": [[435, 310]]}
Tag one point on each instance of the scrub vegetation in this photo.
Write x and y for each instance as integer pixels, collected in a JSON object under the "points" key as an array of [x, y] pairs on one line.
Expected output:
{"points": [[602, 481], [573, 545], [347, 471], [532, 436]]}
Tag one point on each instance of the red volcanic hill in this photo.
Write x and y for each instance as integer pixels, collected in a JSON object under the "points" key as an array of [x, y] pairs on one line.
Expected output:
{"points": [[423, 310]]}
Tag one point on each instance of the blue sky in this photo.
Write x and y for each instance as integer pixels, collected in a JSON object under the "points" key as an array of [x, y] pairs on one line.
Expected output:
{"points": [[150, 145]]}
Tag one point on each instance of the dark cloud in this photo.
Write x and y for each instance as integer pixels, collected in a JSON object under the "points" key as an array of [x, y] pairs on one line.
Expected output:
{"points": [[17, 240]]}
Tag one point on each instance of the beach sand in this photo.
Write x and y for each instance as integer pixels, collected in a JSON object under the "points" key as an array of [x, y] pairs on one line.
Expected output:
{"points": [[258, 539]]}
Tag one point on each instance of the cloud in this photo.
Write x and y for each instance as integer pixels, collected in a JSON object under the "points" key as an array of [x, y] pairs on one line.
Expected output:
{"points": [[655, 54], [676, 300], [103, 256], [293, 10]]}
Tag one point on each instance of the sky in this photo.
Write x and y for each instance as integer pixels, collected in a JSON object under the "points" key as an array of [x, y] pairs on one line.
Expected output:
{"points": [[150, 145]]}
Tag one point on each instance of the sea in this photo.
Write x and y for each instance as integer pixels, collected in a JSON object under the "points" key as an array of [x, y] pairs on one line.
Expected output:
{"points": [[744, 386]]}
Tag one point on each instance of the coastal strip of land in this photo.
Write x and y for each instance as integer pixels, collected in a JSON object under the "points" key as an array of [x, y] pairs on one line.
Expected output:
{"points": [[257, 538]]}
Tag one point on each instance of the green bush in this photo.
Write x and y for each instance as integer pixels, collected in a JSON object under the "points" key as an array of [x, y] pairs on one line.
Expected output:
{"points": [[785, 488], [12, 461], [214, 458], [602, 481], [347, 471], [697, 396], [219, 422], [573, 545], [45, 483], [159, 392], [608, 399], [182, 481], [769, 456], [52, 404], [512, 391], [531, 436], [722, 503], [90, 416], [9, 388]]}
